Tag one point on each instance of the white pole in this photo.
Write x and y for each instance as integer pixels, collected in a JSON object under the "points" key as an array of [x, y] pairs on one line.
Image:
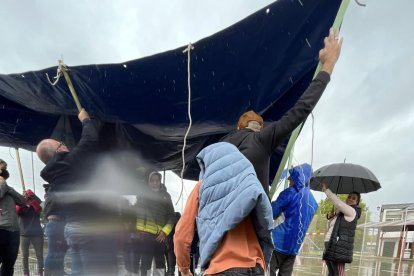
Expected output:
{"points": [[403, 240], [363, 242]]}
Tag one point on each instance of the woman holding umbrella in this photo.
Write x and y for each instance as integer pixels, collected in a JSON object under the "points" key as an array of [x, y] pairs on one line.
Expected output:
{"points": [[339, 239]]}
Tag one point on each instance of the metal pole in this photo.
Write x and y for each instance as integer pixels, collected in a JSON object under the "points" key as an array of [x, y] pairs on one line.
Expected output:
{"points": [[64, 69], [403, 240], [336, 24], [19, 164], [33, 176], [363, 242]]}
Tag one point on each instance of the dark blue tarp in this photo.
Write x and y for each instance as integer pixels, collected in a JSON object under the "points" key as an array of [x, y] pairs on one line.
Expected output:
{"points": [[263, 62]]}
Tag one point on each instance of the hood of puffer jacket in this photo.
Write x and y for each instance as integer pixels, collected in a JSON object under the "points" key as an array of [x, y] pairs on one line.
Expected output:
{"points": [[301, 176], [230, 192]]}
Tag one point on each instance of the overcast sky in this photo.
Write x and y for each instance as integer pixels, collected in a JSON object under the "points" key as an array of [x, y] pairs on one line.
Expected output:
{"points": [[366, 115]]}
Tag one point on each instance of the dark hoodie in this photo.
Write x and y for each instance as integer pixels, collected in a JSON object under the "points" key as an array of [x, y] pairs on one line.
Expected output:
{"points": [[29, 217], [67, 171], [259, 146]]}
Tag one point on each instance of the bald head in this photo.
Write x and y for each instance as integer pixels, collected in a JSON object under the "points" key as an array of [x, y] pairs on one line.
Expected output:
{"points": [[48, 147]]}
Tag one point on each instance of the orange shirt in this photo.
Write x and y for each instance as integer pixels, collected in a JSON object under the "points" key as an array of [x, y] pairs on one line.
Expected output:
{"points": [[239, 247]]}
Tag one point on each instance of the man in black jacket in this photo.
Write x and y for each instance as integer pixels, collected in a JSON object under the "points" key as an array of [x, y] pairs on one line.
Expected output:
{"points": [[68, 172], [256, 142]]}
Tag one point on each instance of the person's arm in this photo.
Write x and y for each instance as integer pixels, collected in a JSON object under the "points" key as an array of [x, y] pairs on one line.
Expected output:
{"points": [[3, 187], [276, 132], [348, 211], [184, 232], [18, 198], [89, 138], [281, 202], [167, 228]]}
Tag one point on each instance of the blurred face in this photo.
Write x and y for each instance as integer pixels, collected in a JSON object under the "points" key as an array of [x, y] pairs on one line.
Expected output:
{"points": [[352, 199], [155, 183], [3, 166], [290, 181]]}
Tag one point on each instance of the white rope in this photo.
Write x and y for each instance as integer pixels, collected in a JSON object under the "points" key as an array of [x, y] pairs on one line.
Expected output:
{"points": [[313, 136], [188, 50], [58, 74]]}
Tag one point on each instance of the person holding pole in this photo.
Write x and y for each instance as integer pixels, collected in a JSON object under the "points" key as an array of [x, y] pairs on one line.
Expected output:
{"points": [[89, 229], [257, 142]]}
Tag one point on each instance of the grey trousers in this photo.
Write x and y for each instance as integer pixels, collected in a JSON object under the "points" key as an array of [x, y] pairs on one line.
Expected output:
{"points": [[37, 242]]}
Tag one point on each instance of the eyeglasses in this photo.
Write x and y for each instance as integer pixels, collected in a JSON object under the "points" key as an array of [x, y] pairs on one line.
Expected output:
{"points": [[59, 146], [353, 197]]}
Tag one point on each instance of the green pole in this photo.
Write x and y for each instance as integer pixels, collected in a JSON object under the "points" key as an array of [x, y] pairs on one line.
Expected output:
{"points": [[337, 23]]}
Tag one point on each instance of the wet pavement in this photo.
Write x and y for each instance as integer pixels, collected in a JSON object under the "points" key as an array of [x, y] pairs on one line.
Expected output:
{"points": [[305, 265]]}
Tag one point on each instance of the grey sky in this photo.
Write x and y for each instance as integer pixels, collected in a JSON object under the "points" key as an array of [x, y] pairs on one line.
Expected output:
{"points": [[365, 116]]}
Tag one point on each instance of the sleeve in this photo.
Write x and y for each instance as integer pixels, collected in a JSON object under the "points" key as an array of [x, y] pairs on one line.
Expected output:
{"points": [[348, 211], [18, 198], [20, 210], [276, 132], [88, 143], [3, 188], [171, 217], [184, 231], [35, 205], [281, 202]]}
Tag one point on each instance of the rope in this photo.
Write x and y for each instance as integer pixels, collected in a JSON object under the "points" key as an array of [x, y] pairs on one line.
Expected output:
{"points": [[33, 175], [63, 69], [19, 164], [188, 51], [57, 77], [360, 3]]}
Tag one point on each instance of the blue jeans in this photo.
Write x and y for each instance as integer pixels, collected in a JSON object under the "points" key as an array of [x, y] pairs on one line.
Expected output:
{"points": [[92, 253], [9, 247], [57, 247]]}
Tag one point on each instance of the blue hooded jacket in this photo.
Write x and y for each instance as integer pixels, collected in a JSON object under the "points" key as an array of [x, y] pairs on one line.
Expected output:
{"points": [[230, 191], [293, 211]]}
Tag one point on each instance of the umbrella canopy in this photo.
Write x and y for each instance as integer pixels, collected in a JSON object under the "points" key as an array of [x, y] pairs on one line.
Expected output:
{"points": [[345, 178]]}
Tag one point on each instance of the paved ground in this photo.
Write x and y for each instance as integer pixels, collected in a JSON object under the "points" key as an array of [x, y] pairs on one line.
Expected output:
{"points": [[305, 265]]}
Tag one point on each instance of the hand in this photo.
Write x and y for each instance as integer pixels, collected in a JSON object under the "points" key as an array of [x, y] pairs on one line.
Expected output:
{"points": [[330, 215], [330, 53], [2, 179], [324, 186], [161, 237], [186, 273], [83, 115]]}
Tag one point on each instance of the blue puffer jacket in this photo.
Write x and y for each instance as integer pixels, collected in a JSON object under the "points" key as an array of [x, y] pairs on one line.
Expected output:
{"points": [[230, 192], [293, 211]]}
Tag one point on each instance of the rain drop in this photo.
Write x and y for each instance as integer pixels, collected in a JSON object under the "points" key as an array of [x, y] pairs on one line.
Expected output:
{"points": [[307, 41]]}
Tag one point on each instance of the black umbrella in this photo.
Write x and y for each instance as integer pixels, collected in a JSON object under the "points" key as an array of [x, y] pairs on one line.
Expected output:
{"points": [[345, 178]]}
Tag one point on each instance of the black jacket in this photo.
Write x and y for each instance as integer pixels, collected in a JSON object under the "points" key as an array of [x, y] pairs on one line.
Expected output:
{"points": [[67, 171], [259, 146], [340, 247]]}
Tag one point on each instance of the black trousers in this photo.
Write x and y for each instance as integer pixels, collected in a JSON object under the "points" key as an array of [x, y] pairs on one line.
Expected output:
{"points": [[258, 271], [9, 248], [282, 262]]}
